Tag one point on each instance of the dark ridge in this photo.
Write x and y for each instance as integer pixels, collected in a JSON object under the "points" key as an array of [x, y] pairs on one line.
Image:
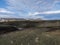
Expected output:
{"points": [[7, 29], [53, 29]]}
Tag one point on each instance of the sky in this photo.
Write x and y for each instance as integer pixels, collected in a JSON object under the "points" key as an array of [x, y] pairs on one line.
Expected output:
{"points": [[43, 9]]}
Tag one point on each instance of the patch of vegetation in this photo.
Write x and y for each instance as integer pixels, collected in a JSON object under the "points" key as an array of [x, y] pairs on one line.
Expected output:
{"points": [[30, 37]]}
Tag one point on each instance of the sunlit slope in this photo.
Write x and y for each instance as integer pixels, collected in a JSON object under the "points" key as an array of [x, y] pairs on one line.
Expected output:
{"points": [[31, 37]]}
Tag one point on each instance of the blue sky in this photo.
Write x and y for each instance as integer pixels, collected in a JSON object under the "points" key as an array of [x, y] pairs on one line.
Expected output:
{"points": [[44, 9]]}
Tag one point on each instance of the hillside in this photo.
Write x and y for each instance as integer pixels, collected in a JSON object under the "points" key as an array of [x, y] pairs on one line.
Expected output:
{"points": [[33, 32], [31, 37]]}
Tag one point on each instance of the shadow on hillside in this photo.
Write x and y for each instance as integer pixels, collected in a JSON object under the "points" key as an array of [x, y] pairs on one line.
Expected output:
{"points": [[8, 29], [53, 29]]}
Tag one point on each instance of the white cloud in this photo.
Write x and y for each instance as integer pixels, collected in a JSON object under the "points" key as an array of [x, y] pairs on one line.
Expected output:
{"points": [[4, 16], [35, 13], [5, 13], [37, 5], [46, 12], [51, 12], [2, 10], [37, 17], [7, 16]]}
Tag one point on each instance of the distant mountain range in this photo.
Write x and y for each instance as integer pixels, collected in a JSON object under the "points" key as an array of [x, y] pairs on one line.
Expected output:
{"points": [[19, 19]]}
